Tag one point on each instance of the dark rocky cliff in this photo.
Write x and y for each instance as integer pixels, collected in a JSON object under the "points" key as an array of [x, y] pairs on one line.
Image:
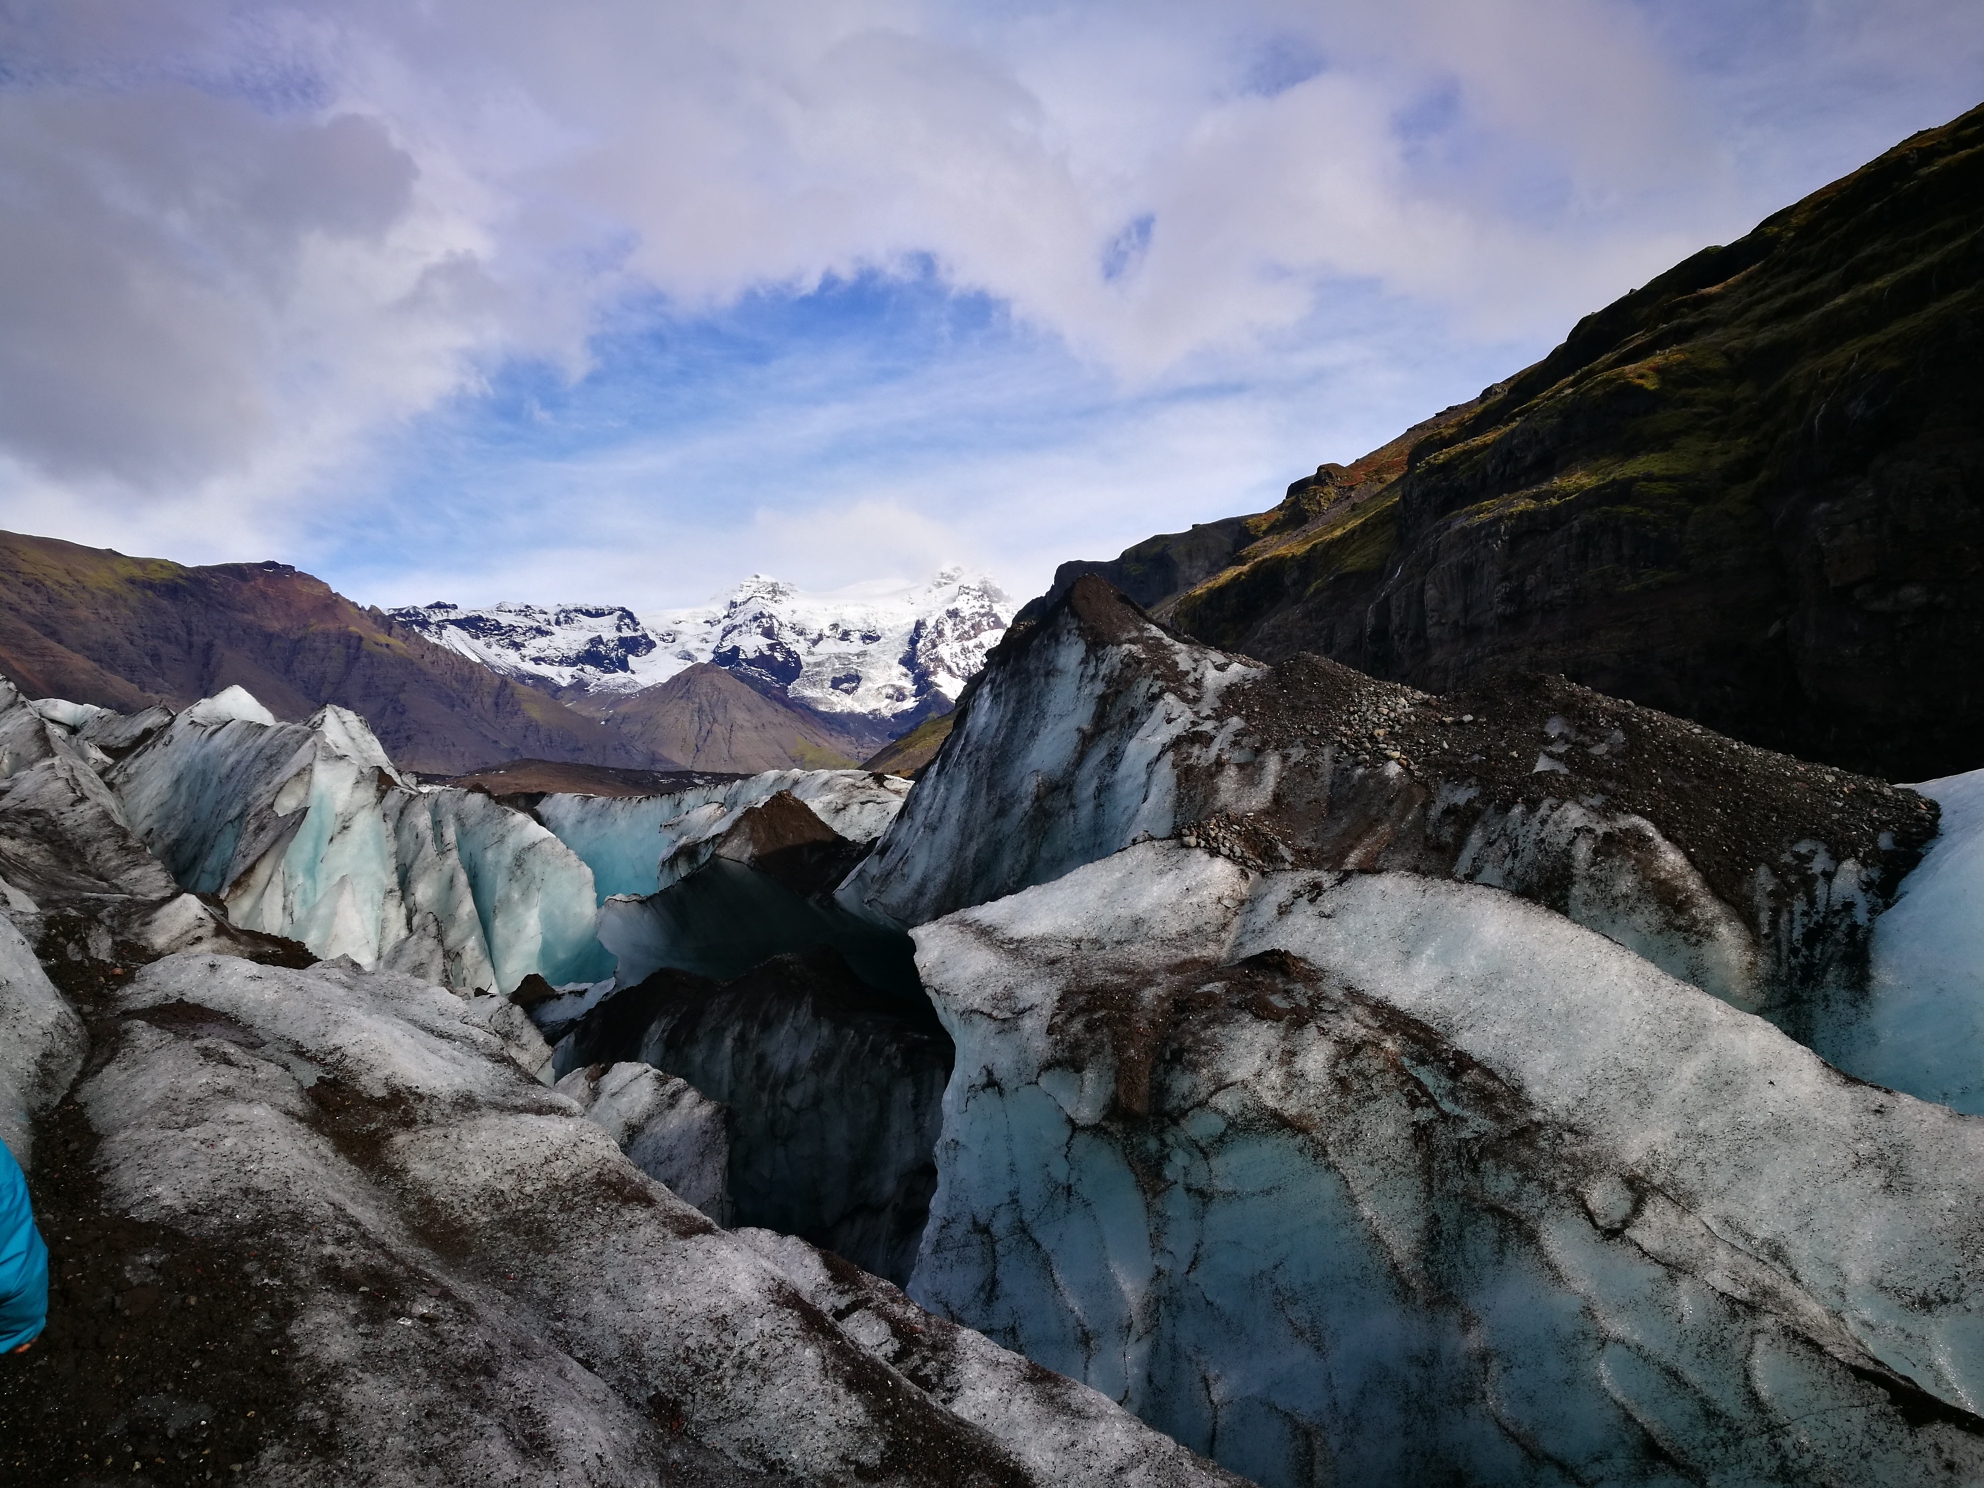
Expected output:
{"points": [[1750, 493]]}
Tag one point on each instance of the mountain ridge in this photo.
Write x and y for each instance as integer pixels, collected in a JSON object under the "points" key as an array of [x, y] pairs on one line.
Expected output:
{"points": [[873, 664], [97, 626], [1750, 493]]}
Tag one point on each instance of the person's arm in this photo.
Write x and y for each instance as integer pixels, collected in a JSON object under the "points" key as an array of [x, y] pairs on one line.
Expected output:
{"points": [[23, 1262]]}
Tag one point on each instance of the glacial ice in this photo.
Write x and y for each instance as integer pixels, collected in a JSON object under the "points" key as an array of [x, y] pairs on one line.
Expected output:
{"points": [[1099, 729], [637, 845], [565, 1317], [235, 704], [726, 918], [1386, 1178], [43, 1045], [62, 832], [308, 831], [833, 1088], [72, 716], [668, 901], [1084, 1440], [669, 1129], [1919, 1026]]}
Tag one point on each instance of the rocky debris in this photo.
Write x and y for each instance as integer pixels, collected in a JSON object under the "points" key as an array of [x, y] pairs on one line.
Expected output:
{"points": [[1754, 875], [1385, 1178], [785, 840], [834, 1089], [669, 1130], [308, 831], [345, 1239]]}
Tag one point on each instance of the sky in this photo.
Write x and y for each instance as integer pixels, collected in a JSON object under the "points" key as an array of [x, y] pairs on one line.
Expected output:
{"points": [[623, 300]]}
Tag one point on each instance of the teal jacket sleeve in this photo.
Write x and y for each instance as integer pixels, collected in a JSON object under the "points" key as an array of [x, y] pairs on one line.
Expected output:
{"points": [[23, 1260]]}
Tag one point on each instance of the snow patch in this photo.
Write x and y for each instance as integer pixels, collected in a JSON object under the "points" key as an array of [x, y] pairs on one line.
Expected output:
{"points": [[230, 704]]}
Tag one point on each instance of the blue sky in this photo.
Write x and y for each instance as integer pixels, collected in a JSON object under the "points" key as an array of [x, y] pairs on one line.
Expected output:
{"points": [[624, 300]]}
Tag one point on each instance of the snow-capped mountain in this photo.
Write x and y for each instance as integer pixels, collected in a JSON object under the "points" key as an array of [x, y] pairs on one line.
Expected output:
{"points": [[861, 651]]}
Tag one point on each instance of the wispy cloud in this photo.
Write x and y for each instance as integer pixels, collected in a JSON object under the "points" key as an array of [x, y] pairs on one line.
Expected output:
{"points": [[630, 297]]}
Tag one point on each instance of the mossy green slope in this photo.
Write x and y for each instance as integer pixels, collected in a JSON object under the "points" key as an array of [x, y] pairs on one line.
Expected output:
{"points": [[1751, 492]]}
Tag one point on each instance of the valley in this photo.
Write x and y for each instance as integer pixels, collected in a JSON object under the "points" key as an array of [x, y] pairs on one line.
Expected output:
{"points": [[1470, 976]]}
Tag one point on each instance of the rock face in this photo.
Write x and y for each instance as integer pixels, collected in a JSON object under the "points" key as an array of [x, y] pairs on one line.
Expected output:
{"points": [[308, 831], [1752, 875], [127, 633], [833, 1089], [444, 1243], [1750, 493], [1383, 1178]]}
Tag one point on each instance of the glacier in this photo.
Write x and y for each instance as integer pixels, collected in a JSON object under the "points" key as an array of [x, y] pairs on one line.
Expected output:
{"points": [[1919, 1023], [833, 1086], [873, 650], [1756, 877], [1381, 1177], [638, 845], [669, 1129], [1354, 1083], [307, 831], [685, 881], [450, 1243]]}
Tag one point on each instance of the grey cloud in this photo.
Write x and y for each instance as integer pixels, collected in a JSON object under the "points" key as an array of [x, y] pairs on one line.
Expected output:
{"points": [[236, 240], [156, 244]]}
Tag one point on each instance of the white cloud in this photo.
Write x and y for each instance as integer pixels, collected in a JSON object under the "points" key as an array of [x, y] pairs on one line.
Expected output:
{"points": [[239, 244]]}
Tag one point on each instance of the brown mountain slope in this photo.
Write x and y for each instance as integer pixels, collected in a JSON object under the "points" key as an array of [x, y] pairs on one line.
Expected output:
{"points": [[1750, 493], [99, 627], [708, 720], [909, 755]]}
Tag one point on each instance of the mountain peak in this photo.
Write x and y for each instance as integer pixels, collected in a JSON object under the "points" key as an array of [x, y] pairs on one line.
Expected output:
{"points": [[879, 651]]}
